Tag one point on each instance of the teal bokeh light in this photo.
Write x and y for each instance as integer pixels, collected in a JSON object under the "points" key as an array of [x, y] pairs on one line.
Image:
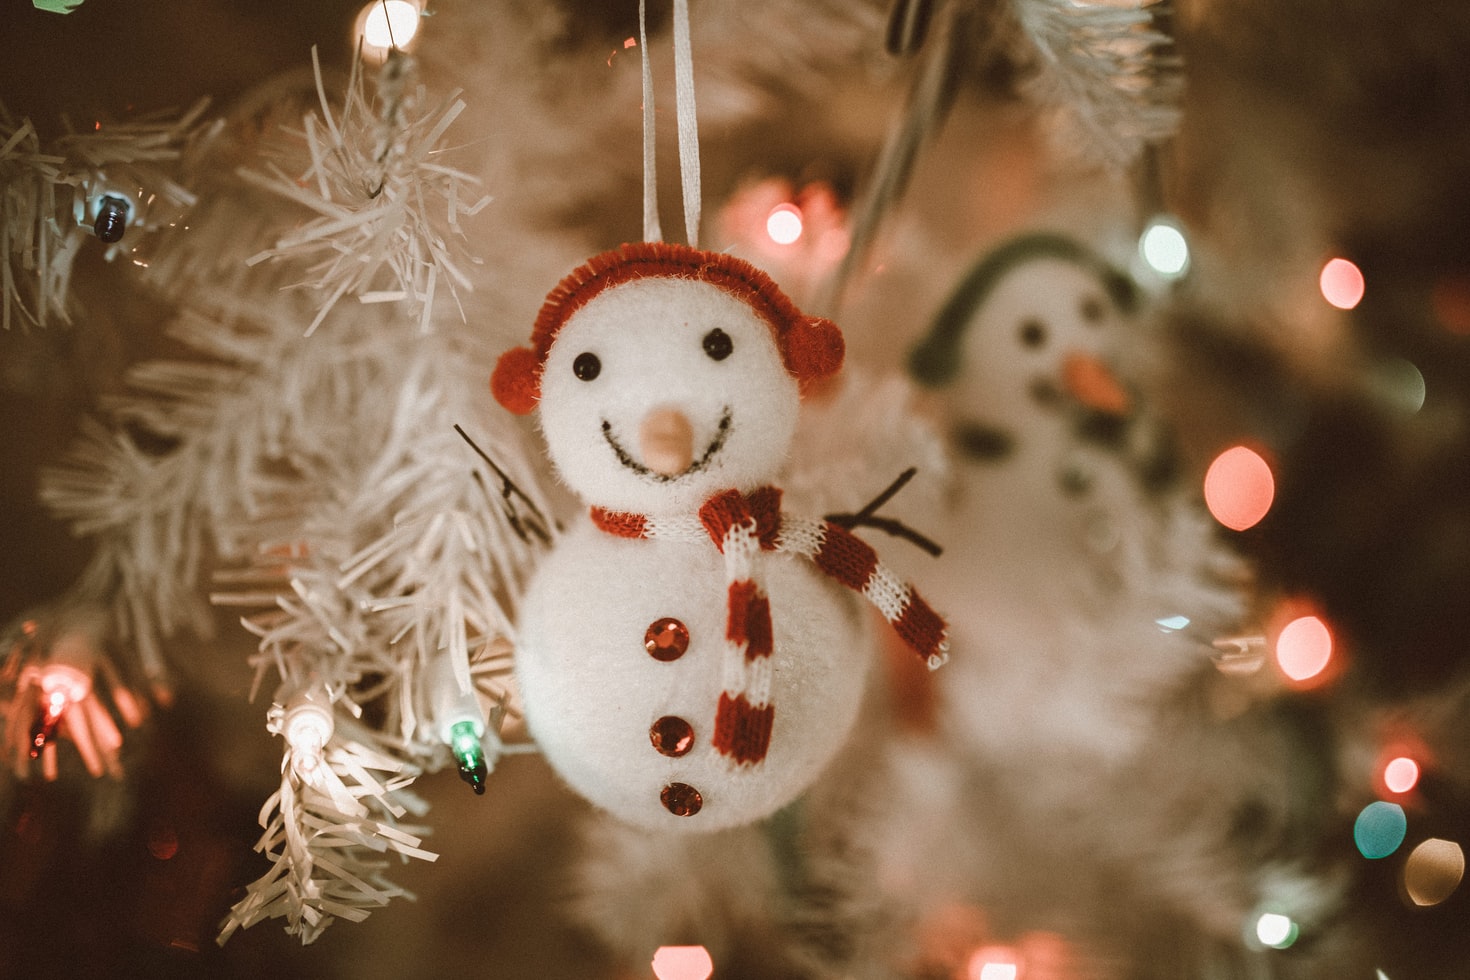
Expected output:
{"points": [[1380, 829]]}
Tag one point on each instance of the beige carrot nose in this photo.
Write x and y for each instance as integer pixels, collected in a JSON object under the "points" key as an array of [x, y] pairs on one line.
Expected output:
{"points": [[1090, 381], [666, 441]]}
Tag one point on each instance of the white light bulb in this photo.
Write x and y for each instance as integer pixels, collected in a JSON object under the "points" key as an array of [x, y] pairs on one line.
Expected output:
{"points": [[784, 224], [307, 726], [64, 684], [1164, 248], [992, 963], [998, 971], [1276, 930], [450, 704], [389, 24]]}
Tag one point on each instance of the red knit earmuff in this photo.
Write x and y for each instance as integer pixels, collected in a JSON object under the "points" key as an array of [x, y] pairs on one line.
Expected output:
{"points": [[811, 347], [516, 381], [812, 350]]}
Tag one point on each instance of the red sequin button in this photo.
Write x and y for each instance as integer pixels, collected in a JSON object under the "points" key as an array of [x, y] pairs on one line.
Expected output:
{"points": [[666, 639], [671, 735], [681, 799]]}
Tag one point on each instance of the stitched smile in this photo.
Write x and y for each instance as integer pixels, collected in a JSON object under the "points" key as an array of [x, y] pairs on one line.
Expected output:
{"points": [[715, 445]]}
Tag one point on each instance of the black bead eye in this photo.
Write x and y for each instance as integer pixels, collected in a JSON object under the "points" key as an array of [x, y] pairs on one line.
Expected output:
{"points": [[718, 345], [1033, 334], [587, 366], [1092, 310]]}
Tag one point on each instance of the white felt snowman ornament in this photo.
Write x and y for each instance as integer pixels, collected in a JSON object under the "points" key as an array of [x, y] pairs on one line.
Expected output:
{"points": [[690, 657], [1071, 539]]}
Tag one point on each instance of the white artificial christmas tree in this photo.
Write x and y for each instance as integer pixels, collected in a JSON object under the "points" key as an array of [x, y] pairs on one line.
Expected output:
{"points": [[245, 358]]}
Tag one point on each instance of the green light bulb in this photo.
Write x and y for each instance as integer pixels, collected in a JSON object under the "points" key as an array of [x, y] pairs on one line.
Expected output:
{"points": [[465, 744]]}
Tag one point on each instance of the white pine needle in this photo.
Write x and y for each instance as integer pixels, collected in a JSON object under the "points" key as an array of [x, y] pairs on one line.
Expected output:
{"points": [[324, 836], [1105, 75], [40, 185], [378, 191], [321, 477]]}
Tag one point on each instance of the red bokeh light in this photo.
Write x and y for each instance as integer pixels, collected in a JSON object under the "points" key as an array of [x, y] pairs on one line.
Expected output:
{"points": [[682, 963], [1401, 774], [1450, 299], [1341, 283], [163, 843], [1304, 648], [1239, 488]]}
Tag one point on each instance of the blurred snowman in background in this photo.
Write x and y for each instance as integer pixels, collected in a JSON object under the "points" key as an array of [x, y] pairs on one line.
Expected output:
{"points": [[1081, 573]]}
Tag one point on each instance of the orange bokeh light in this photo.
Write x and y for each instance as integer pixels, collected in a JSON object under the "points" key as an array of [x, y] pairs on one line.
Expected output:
{"points": [[1433, 871], [1239, 488], [1304, 648], [1341, 283]]}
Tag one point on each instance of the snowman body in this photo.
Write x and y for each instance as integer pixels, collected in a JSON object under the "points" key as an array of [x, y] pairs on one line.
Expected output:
{"points": [[665, 378], [1053, 494], [1033, 538], [1063, 549], [623, 718]]}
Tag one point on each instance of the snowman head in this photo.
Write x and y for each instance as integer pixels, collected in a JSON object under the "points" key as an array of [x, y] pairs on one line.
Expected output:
{"points": [[1024, 342], [665, 374]]}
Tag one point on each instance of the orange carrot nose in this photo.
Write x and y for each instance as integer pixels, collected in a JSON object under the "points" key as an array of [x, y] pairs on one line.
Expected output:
{"points": [[666, 441], [1089, 381]]}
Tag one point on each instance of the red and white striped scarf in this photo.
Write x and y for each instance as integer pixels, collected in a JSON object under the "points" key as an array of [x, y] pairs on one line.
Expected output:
{"points": [[743, 526]]}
